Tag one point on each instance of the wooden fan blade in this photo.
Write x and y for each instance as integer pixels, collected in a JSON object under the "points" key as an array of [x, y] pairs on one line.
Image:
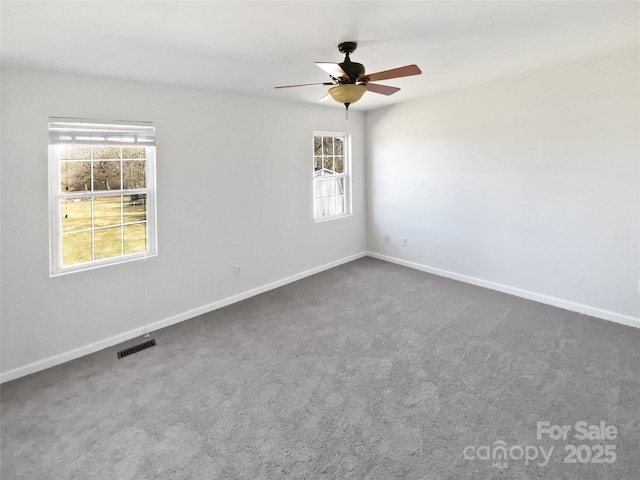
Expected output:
{"points": [[383, 89], [405, 71], [333, 69], [306, 85]]}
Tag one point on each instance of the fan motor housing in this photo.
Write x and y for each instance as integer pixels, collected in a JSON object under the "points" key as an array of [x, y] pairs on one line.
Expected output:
{"points": [[352, 69]]}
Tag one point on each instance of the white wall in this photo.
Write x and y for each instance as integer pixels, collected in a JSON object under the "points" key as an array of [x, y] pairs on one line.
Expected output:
{"points": [[234, 187], [529, 184]]}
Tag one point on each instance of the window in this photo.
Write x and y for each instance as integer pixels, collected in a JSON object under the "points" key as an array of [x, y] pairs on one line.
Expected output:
{"points": [[331, 182], [101, 193]]}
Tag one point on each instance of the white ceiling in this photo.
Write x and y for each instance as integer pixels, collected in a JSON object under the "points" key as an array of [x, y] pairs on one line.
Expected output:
{"points": [[250, 47]]}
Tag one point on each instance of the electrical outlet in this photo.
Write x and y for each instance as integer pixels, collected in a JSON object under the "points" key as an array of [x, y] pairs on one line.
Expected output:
{"points": [[404, 241], [237, 270], [387, 238]]}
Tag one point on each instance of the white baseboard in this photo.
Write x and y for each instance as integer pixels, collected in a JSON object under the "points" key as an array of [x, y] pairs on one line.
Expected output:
{"points": [[518, 292], [166, 322]]}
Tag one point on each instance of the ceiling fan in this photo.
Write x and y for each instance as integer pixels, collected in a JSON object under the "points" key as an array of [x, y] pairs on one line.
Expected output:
{"points": [[349, 80]]}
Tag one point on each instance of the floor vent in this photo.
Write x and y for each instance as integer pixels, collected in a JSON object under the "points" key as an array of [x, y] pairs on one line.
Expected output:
{"points": [[136, 348]]}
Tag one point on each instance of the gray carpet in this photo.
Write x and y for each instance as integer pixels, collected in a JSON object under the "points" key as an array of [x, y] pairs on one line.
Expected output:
{"points": [[366, 371]]}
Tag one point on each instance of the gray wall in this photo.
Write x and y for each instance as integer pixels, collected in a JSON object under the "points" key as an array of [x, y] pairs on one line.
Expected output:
{"points": [[234, 187], [529, 184]]}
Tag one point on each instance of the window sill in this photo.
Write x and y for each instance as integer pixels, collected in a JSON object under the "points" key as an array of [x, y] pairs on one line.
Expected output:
{"points": [[83, 267], [332, 217]]}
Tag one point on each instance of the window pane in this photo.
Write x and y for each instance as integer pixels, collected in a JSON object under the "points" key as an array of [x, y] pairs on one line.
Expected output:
{"points": [[339, 186], [106, 175], [339, 204], [76, 248], [317, 163], [330, 187], [108, 242], [328, 163], [327, 206], [134, 174], [76, 214], [135, 208], [75, 176], [106, 152], [75, 153], [339, 165], [107, 211], [319, 203], [134, 152], [317, 145], [327, 143], [338, 146], [319, 187], [135, 238], [331, 210]]}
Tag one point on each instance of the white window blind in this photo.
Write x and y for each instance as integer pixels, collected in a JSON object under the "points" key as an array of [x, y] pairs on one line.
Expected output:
{"points": [[98, 132]]}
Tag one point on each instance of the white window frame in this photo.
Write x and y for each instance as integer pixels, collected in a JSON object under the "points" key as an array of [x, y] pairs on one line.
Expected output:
{"points": [[56, 197], [346, 175]]}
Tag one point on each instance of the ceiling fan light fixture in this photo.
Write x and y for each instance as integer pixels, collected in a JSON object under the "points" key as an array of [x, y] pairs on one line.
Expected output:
{"points": [[347, 93], [346, 75]]}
